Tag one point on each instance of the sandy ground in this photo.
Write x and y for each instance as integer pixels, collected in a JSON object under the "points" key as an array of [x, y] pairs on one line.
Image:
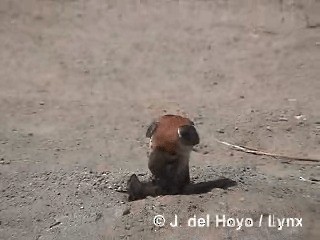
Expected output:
{"points": [[80, 80]]}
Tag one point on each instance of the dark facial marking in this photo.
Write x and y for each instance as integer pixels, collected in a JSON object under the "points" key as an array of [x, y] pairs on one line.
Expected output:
{"points": [[151, 129], [189, 135]]}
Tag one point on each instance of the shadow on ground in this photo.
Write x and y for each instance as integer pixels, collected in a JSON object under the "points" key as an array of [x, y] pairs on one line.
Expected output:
{"points": [[139, 190], [204, 187]]}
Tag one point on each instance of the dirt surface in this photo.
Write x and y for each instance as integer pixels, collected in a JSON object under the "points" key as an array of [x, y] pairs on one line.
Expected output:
{"points": [[80, 80]]}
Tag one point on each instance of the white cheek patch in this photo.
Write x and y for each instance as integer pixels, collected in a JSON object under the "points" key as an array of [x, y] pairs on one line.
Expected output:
{"points": [[150, 147], [179, 133], [150, 143]]}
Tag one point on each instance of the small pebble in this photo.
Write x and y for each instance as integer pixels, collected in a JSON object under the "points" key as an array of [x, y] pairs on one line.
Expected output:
{"points": [[126, 211], [283, 119], [220, 131], [127, 227]]}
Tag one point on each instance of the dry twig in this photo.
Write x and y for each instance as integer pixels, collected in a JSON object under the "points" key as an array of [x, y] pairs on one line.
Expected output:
{"points": [[257, 152]]}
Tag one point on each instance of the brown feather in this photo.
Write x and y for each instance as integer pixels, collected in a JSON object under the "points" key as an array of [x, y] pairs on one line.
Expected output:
{"points": [[166, 135]]}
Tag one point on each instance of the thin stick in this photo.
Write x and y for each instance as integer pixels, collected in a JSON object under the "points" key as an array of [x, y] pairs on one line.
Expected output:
{"points": [[257, 152]]}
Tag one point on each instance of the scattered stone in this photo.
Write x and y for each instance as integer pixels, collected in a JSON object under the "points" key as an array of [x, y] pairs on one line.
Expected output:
{"points": [[300, 117], [289, 129], [127, 227], [283, 119], [126, 211], [98, 216], [220, 130], [314, 179], [3, 161]]}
